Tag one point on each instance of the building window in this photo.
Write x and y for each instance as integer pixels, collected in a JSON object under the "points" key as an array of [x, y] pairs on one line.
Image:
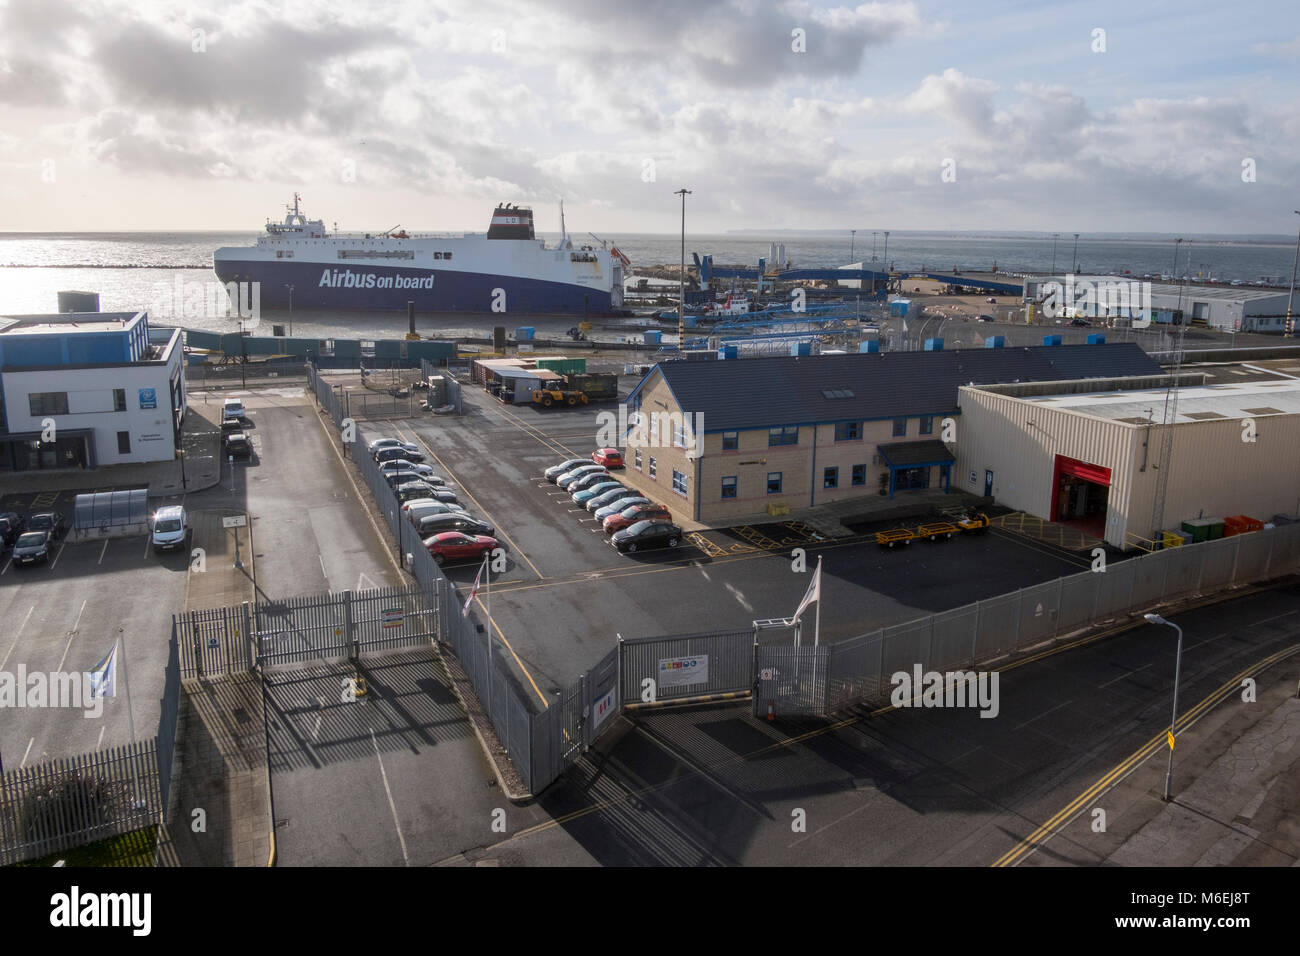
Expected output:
{"points": [[637, 458], [48, 403], [652, 466], [730, 441], [783, 436], [927, 425], [831, 478], [446, 255], [119, 399], [124, 443], [773, 482], [679, 434], [859, 474], [729, 487], [900, 427], [848, 431], [679, 482]]}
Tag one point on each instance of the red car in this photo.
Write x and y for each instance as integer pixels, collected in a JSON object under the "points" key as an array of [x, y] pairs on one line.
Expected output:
{"points": [[609, 457], [630, 516], [455, 546]]}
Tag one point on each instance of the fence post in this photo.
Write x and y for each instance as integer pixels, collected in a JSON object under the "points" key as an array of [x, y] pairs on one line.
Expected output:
{"points": [[354, 652], [1132, 584], [1056, 614], [1020, 601], [975, 635], [250, 650], [198, 644], [586, 705]]}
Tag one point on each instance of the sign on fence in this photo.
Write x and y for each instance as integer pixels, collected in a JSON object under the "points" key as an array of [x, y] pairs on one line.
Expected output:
{"points": [[683, 671]]}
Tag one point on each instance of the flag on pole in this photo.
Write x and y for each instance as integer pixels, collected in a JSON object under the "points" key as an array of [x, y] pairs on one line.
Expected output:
{"points": [[814, 592], [474, 590], [103, 676]]}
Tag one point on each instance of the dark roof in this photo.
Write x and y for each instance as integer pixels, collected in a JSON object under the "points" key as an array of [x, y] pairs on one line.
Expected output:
{"points": [[786, 390], [901, 454]]}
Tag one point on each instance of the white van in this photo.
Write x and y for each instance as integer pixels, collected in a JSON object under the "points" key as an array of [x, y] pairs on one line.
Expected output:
{"points": [[232, 410], [170, 527]]}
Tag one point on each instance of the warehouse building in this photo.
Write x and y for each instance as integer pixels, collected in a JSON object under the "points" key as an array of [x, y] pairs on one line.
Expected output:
{"points": [[1227, 308], [1089, 454], [728, 440], [82, 390]]}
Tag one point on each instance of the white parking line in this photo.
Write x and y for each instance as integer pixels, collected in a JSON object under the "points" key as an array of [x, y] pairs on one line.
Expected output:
{"points": [[16, 633], [71, 634], [100, 742], [27, 752], [1123, 676], [148, 540], [7, 565], [101, 552], [391, 806], [56, 557]]}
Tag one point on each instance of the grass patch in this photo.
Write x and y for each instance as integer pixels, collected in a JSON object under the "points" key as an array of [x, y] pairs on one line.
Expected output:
{"points": [[129, 849]]}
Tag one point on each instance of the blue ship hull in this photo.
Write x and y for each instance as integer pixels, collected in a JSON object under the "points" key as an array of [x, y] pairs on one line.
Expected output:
{"points": [[389, 288]]}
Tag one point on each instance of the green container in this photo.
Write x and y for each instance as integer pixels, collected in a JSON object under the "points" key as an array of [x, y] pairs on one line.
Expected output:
{"points": [[564, 366], [1216, 527], [1199, 529]]}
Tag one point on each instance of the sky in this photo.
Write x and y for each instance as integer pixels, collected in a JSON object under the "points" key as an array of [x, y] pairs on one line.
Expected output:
{"points": [[1096, 116]]}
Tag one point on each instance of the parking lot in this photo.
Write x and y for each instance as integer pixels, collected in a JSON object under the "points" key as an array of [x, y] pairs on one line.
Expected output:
{"points": [[566, 593], [65, 614]]}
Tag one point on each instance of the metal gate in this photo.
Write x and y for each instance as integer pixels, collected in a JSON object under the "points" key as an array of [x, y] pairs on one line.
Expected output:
{"points": [[790, 681], [303, 629], [214, 642], [394, 617]]}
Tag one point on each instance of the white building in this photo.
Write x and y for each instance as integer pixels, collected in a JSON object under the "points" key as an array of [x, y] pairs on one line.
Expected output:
{"points": [[84, 390]]}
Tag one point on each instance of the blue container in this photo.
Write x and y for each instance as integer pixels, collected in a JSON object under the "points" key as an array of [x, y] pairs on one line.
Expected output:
{"points": [[524, 333], [653, 336], [1051, 340], [934, 345], [801, 348], [728, 352], [689, 321], [995, 342], [1097, 338], [870, 346]]}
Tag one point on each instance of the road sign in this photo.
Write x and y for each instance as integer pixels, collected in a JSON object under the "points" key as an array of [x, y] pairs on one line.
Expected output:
{"points": [[393, 617], [1171, 739], [213, 644], [234, 521]]}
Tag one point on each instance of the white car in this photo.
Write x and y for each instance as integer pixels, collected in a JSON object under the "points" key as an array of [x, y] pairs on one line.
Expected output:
{"points": [[424, 471], [169, 528], [423, 507], [380, 443]]}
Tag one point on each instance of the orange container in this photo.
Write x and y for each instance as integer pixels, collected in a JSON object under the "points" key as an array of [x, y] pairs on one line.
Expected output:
{"points": [[1241, 524]]}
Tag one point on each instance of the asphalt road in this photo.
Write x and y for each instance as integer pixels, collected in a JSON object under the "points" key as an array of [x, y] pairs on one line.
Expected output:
{"points": [[714, 786]]}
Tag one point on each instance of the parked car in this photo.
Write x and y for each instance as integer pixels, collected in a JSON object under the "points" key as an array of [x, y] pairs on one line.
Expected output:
{"points": [[418, 508], [231, 424], [393, 453], [418, 489], [232, 408], [237, 445], [51, 521], [395, 478], [609, 457], [11, 526], [645, 535], [985, 318], [379, 443], [589, 480], [455, 546], [453, 521], [551, 474], [991, 300], [424, 471], [569, 477], [170, 527], [583, 495], [32, 546], [630, 516], [619, 504], [599, 501], [1081, 323]]}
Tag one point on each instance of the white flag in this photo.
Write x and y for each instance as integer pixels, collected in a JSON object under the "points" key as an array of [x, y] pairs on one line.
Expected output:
{"points": [[814, 591], [474, 590], [103, 676]]}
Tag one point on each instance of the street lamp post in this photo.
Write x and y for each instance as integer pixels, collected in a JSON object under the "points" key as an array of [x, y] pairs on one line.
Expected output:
{"points": [[289, 286], [681, 278], [1291, 296], [1055, 236], [886, 260], [1075, 257], [1178, 670], [853, 235]]}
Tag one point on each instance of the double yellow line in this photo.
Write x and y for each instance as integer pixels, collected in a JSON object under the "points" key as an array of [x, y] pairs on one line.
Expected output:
{"points": [[1123, 769]]}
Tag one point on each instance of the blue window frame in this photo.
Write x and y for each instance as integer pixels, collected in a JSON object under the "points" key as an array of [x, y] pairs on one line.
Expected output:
{"points": [[831, 478], [900, 427], [783, 436], [774, 482], [730, 441], [927, 425], [729, 486], [859, 474], [848, 431]]}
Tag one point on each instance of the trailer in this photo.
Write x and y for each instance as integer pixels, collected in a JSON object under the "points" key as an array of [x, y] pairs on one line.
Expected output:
{"points": [[887, 539], [937, 530]]}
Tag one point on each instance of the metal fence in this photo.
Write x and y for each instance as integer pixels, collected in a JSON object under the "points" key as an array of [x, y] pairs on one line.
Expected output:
{"points": [[657, 669], [214, 642], [167, 721], [240, 374], [67, 802], [988, 632], [454, 397]]}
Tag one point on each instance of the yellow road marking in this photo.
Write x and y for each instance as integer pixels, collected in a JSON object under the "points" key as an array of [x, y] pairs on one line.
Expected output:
{"points": [[493, 624], [1121, 770]]}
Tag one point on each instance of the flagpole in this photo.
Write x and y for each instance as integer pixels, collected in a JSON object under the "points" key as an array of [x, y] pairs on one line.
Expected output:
{"points": [[487, 568], [817, 623]]}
